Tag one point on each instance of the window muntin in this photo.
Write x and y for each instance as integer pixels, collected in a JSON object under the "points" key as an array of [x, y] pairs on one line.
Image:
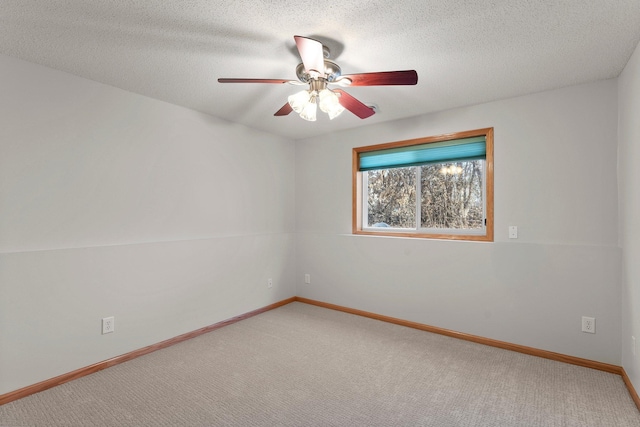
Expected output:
{"points": [[436, 187]]}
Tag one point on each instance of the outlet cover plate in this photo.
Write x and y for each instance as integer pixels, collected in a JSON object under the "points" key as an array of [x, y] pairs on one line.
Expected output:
{"points": [[589, 324], [108, 325]]}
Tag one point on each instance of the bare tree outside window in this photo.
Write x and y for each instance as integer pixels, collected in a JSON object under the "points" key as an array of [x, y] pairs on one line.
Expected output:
{"points": [[452, 195], [392, 197]]}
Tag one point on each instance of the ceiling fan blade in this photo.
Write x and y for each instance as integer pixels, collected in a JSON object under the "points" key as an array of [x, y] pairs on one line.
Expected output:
{"points": [[311, 54], [382, 78], [286, 109], [353, 105], [254, 81]]}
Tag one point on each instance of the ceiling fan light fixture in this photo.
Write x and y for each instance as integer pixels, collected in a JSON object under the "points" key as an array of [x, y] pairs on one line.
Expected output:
{"points": [[299, 100], [329, 103], [335, 112], [309, 110], [326, 99]]}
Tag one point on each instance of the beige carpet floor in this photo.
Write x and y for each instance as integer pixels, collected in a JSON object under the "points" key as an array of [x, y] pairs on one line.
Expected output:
{"points": [[301, 365]]}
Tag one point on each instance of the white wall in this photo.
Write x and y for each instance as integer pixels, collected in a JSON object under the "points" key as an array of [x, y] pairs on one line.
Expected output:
{"points": [[629, 190], [170, 220], [555, 178], [113, 204]]}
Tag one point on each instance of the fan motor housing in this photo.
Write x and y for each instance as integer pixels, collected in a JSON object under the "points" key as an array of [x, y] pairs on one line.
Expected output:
{"points": [[331, 70]]}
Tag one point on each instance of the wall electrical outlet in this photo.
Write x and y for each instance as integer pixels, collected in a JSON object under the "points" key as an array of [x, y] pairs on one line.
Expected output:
{"points": [[307, 279], [269, 283], [108, 325], [513, 231], [589, 324]]}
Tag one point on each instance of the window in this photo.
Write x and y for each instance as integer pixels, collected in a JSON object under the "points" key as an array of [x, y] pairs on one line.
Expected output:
{"points": [[437, 187]]}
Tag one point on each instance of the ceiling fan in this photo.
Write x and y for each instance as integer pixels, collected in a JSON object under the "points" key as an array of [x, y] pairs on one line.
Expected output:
{"points": [[318, 72]]}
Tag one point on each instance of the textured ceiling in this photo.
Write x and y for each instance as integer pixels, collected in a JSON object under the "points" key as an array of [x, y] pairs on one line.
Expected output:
{"points": [[465, 52]]}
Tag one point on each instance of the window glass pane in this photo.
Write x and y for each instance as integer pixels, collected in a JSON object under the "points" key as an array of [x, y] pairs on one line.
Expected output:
{"points": [[392, 198], [451, 195]]}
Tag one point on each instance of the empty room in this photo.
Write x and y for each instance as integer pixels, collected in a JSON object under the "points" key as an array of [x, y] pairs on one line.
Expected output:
{"points": [[370, 213]]}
